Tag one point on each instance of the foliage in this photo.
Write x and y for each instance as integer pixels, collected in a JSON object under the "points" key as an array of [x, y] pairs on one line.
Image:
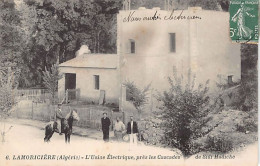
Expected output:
{"points": [[11, 47], [35, 33], [248, 125], [182, 4], [8, 86], [248, 88], [11, 38], [222, 144], [229, 129], [185, 110], [51, 78], [137, 96], [56, 29]]}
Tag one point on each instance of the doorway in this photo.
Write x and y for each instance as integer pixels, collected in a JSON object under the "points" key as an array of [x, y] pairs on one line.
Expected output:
{"points": [[70, 84]]}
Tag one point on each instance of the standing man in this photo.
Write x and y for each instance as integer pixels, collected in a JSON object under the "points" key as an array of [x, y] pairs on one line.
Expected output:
{"points": [[59, 117], [132, 130], [119, 128], [105, 122]]}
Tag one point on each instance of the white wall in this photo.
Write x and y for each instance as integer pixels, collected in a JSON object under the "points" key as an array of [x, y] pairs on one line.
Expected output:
{"points": [[152, 61], [202, 45], [108, 79], [217, 54]]}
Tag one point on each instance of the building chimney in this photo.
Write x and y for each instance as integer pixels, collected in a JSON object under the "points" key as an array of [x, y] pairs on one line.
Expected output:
{"points": [[83, 50], [230, 81]]}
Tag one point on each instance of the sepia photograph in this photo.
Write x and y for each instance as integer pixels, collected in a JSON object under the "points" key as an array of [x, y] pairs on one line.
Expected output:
{"points": [[129, 82]]}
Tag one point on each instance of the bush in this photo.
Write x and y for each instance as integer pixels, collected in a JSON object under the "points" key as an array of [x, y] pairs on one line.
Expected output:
{"points": [[219, 144], [50, 80], [137, 96], [248, 125], [7, 91], [185, 111]]}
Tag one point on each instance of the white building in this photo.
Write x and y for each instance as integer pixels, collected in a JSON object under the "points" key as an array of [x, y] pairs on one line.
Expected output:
{"points": [[149, 50], [91, 75]]}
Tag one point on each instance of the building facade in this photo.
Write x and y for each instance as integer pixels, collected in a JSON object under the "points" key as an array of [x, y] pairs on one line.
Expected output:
{"points": [[92, 76], [151, 50], [152, 44]]}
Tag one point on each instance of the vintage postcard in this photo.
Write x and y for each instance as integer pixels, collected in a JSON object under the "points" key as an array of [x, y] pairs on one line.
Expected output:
{"points": [[129, 82]]}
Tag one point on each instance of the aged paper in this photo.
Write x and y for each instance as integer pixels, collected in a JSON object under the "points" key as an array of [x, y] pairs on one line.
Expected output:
{"points": [[180, 87]]}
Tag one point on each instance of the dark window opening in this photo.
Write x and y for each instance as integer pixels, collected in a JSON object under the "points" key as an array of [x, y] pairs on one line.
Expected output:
{"points": [[70, 81], [96, 81], [172, 42], [132, 44], [70, 85]]}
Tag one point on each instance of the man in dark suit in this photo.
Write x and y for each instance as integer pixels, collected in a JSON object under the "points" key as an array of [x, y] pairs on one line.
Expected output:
{"points": [[105, 122], [132, 130]]}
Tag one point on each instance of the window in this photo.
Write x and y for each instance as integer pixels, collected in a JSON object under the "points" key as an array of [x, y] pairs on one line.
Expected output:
{"points": [[96, 82], [172, 42], [132, 46]]}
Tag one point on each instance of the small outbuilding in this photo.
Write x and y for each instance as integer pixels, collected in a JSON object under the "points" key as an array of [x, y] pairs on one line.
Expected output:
{"points": [[91, 77]]}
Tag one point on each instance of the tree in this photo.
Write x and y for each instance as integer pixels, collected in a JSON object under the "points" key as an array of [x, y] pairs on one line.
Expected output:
{"points": [[248, 88], [8, 86], [11, 36], [105, 25], [137, 96], [12, 44], [185, 110], [50, 80], [181, 4], [57, 29]]}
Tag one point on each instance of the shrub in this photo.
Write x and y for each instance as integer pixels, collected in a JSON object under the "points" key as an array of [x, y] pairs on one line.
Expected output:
{"points": [[50, 80], [248, 125], [220, 144], [137, 96], [185, 110], [7, 91], [7, 101]]}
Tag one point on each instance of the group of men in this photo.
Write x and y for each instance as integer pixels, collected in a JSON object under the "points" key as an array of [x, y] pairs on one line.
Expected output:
{"points": [[119, 129]]}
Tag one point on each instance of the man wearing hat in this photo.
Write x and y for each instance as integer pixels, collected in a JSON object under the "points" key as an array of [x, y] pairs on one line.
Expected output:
{"points": [[132, 130], [105, 122], [59, 117]]}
